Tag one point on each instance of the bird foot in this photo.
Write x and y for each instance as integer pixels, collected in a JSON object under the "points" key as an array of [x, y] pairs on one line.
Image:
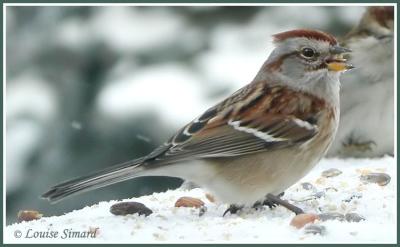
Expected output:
{"points": [[232, 209], [270, 204], [267, 202], [276, 200], [271, 201]]}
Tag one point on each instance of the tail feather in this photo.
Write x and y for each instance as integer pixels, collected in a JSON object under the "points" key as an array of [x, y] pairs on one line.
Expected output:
{"points": [[112, 175]]}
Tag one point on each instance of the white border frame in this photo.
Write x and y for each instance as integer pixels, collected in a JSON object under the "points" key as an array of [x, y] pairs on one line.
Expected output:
{"points": [[5, 5]]}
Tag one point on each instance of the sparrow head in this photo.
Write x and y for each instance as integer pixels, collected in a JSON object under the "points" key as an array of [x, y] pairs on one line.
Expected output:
{"points": [[377, 22], [373, 45], [306, 52], [306, 59]]}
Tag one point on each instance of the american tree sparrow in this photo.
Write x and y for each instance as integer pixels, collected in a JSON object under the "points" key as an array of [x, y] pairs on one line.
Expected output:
{"points": [[367, 94], [260, 140]]}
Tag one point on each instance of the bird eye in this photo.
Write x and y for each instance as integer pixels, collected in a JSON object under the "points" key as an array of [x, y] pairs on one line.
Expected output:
{"points": [[307, 52]]}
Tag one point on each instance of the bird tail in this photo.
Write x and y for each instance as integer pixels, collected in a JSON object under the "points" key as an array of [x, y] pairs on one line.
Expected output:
{"points": [[112, 175]]}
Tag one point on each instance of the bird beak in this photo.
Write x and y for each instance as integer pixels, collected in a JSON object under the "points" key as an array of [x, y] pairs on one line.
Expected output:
{"points": [[339, 50], [338, 65], [336, 62]]}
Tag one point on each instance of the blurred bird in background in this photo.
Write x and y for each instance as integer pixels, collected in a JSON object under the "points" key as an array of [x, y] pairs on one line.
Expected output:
{"points": [[366, 126]]}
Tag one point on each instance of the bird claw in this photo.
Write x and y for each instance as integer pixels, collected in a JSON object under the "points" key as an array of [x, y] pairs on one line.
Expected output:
{"points": [[232, 209], [270, 204], [271, 201], [267, 202]]}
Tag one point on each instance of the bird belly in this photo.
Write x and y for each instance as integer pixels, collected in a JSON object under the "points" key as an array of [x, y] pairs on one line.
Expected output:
{"points": [[245, 180]]}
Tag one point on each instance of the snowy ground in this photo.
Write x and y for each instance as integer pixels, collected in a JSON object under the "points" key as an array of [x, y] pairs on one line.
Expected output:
{"points": [[167, 224]]}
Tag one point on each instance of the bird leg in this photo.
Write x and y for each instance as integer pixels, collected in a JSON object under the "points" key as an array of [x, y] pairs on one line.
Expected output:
{"points": [[271, 201], [278, 201], [232, 209]]}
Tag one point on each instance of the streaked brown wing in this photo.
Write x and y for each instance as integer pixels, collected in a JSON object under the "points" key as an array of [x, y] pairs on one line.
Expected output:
{"points": [[234, 138], [254, 119]]}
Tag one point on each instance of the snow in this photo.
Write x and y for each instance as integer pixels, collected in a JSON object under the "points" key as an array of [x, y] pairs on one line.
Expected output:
{"points": [[167, 224]]}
